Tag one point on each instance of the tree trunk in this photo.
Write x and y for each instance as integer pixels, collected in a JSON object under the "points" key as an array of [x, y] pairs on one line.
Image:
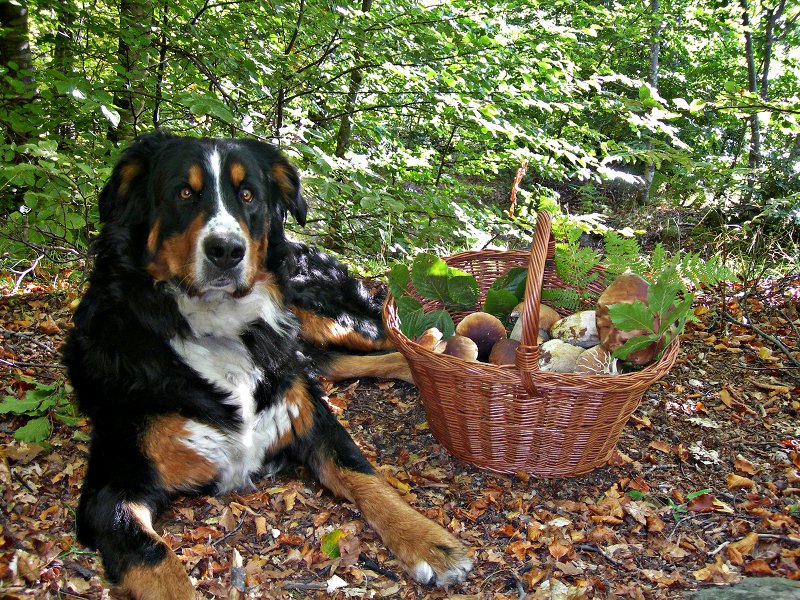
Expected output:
{"points": [[15, 52], [64, 53], [772, 14], [655, 50], [345, 123], [135, 20], [754, 159]]}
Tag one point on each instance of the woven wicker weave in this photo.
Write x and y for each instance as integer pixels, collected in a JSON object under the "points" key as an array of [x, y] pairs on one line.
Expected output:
{"points": [[518, 418]]}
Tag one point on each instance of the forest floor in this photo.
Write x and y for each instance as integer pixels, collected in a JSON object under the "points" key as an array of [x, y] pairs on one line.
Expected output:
{"points": [[702, 490]]}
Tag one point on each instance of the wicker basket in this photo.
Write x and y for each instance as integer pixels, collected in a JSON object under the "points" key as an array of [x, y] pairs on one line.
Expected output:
{"points": [[517, 418]]}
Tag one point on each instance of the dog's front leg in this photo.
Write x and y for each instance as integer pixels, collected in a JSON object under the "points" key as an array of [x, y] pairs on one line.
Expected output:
{"points": [[428, 551], [137, 560]]}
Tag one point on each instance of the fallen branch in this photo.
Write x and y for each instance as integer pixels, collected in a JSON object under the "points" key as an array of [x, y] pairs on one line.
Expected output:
{"points": [[771, 339], [16, 363]]}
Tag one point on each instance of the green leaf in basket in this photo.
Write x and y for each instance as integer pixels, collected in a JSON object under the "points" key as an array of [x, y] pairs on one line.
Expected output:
{"points": [[429, 276], [630, 316], [632, 345], [500, 303], [440, 319], [513, 282], [462, 289], [433, 279], [414, 320], [410, 315], [398, 280]]}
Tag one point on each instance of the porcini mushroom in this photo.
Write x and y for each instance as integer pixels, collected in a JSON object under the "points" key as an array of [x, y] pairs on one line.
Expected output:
{"points": [[626, 288], [579, 329], [547, 317], [504, 352], [483, 329], [459, 346], [556, 356], [429, 338], [597, 361]]}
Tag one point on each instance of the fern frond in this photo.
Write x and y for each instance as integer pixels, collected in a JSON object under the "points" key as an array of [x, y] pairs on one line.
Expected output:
{"points": [[565, 298]]}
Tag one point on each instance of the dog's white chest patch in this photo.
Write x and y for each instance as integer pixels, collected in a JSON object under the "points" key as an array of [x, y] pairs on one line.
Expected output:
{"points": [[220, 357]]}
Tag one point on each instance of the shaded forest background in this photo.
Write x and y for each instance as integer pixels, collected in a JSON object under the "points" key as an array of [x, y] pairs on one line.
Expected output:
{"points": [[410, 119]]}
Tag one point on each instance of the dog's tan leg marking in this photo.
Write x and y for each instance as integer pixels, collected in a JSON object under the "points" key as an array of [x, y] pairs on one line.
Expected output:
{"points": [[166, 580], [385, 366], [428, 551], [179, 467]]}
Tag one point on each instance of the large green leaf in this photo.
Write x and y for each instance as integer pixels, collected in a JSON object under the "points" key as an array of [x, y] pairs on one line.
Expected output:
{"points": [[500, 303], [20, 406], [35, 430], [429, 276], [631, 316]]}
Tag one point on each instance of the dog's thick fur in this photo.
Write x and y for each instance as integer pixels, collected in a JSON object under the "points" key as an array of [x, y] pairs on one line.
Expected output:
{"points": [[195, 350]]}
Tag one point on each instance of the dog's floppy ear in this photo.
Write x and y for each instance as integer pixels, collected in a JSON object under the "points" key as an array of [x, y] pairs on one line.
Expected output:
{"points": [[283, 178], [116, 199]]}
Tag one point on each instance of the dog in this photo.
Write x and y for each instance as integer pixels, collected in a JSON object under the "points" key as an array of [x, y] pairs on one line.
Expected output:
{"points": [[195, 353]]}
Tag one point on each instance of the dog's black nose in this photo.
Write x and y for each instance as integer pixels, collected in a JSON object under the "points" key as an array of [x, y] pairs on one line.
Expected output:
{"points": [[223, 251]]}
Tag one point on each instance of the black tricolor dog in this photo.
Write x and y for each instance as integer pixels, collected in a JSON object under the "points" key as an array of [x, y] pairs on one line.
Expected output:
{"points": [[190, 355]]}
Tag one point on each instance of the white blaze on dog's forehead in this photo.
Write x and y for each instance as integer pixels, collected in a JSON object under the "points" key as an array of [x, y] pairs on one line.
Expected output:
{"points": [[221, 221]]}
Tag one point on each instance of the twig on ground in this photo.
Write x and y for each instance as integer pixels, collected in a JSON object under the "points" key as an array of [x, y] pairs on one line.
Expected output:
{"points": [[304, 586], [16, 363], [22, 275], [216, 543], [770, 338], [372, 565], [28, 336], [599, 550]]}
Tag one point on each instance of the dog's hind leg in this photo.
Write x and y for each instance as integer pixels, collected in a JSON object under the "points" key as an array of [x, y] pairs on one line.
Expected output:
{"points": [[428, 551], [392, 365]]}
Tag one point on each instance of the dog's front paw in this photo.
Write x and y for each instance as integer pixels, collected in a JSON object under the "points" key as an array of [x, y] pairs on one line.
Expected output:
{"points": [[442, 564]]}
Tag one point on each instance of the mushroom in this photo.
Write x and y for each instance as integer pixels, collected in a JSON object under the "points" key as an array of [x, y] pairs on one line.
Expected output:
{"points": [[579, 329], [429, 338], [504, 352], [547, 317], [459, 346], [483, 329], [558, 357], [597, 361], [624, 289]]}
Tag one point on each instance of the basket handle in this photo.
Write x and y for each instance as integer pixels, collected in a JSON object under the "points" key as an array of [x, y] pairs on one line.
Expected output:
{"points": [[527, 355]]}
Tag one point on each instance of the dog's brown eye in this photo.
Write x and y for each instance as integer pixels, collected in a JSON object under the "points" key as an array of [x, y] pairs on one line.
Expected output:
{"points": [[246, 195], [186, 193]]}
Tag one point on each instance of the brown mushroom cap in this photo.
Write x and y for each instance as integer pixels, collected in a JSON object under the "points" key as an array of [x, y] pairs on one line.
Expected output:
{"points": [[504, 352], [483, 329], [429, 338], [624, 289], [547, 317], [459, 346]]}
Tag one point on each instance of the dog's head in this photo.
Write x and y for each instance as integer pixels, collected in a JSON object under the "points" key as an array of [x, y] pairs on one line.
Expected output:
{"points": [[205, 210]]}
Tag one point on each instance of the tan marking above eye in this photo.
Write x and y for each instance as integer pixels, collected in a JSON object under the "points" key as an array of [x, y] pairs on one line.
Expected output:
{"points": [[186, 193], [246, 195], [196, 178], [238, 173]]}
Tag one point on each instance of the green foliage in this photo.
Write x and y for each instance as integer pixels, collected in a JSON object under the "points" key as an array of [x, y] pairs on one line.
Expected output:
{"points": [[668, 305], [434, 280], [42, 403], [505, 293]]}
